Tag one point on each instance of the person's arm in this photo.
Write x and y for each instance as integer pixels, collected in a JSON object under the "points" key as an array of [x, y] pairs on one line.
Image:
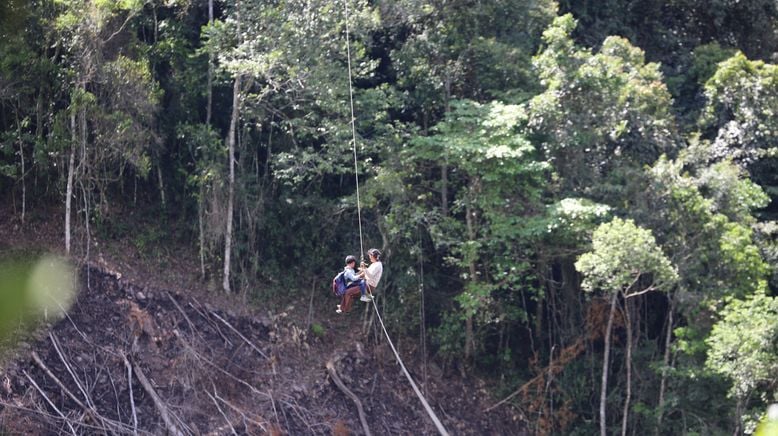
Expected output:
{"points": [[350, 275]]}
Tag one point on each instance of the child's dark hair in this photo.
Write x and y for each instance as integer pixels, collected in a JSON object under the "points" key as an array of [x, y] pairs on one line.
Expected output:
{"points": [[350, 259]]}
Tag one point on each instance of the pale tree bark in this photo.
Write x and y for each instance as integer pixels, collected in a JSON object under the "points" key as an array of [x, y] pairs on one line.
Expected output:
{"points": [[666, 363], [161, 184], [234, 119], [200, 212], [158, 154], [470, 223], [210, 71], [83, 173], [71, 172], [24, 187], [208, 108], [444, 165], [231, 196], [628, 324], [605, 358]]}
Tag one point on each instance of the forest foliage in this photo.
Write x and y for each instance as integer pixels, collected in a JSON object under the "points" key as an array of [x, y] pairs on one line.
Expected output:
{"points": [[581, 193]]}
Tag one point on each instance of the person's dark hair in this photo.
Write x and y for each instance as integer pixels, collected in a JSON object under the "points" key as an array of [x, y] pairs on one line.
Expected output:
{"points": [[350, 259], [374, 252]]}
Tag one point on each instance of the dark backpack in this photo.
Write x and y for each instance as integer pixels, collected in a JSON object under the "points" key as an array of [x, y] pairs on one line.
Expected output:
{"points": [[339, 284]]}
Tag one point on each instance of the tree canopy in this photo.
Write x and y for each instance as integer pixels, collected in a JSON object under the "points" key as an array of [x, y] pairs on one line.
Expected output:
{"points": [[518, 161]]}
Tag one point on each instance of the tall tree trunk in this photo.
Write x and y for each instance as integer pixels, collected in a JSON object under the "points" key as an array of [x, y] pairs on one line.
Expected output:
{"points": [[469, 333], [444, 165], [71, 172], [231, 196], [234, 119], [605, 358], [84, 169], [21, 155], [210, 70], [269, 156], [738, 417], [422, 316], [200, 212], [159, 153], [628, 324], [161, 184], [208, 108], [665, 363]]}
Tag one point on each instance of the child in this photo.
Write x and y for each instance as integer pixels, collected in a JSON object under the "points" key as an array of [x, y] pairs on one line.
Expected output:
{"points": [[352, 280]]}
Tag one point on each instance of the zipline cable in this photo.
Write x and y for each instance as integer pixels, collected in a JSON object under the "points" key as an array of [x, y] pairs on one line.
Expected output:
{"points": [[430, 412], [354, 134]]}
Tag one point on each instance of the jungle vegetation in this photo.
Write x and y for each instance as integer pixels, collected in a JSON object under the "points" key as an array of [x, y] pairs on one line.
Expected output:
{"points": [[576, 199]]}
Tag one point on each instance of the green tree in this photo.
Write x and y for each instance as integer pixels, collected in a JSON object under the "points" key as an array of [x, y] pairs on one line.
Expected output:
{"points": [[701, 211], [497, 186], [740, 116], [625, 261], [744, 349], [102, 105], [598, 112]]}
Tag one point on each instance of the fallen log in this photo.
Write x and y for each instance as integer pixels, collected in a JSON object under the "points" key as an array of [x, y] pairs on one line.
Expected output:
{"points": [[161, 408], [339, 383]]}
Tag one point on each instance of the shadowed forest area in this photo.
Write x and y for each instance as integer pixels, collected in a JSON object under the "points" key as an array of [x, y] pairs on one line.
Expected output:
{"points": [[576, 202]]}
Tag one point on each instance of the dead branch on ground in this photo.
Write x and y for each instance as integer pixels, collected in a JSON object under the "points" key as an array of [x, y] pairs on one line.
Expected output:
{"points": [[45, 397], [251, 344], [339, 383], [161, 407], [226, 419], [132, 397], [210, 322], [199, 356], [105, 422], [241, 412]]}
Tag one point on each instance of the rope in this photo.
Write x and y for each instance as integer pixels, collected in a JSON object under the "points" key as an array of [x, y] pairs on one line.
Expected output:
{"points": [[354, 134], [430, 412]]}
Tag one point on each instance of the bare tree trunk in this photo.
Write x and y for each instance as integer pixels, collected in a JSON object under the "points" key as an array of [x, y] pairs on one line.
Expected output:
{"points": [[161, 184], [234, 120], [158, 154], [208, 109], [738, 417], [666, 363], [200, 212], [210, 70], [24, 187], [444, 165], [444, 186], [605, 358], [269, 156], [628, 324], [71, 172], [422, 316], [231, 196], [84, 169], [469, 334]]}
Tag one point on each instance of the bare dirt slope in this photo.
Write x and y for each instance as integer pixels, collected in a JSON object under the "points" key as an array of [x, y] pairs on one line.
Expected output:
{"points": [[138, 357]]}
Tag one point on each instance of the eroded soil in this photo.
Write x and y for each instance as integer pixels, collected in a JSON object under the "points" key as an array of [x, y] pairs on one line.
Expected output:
{"points": [[216, 372]]}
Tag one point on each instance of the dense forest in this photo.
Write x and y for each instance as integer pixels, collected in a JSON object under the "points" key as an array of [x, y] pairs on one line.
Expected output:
{"points": [[576, 200]]}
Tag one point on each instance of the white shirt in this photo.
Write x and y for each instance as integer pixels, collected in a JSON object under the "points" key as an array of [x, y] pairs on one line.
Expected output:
{"points": [[373, 273]]}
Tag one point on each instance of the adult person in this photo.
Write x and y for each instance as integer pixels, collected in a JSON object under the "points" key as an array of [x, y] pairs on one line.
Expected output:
{"points": [[371, 274]]}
